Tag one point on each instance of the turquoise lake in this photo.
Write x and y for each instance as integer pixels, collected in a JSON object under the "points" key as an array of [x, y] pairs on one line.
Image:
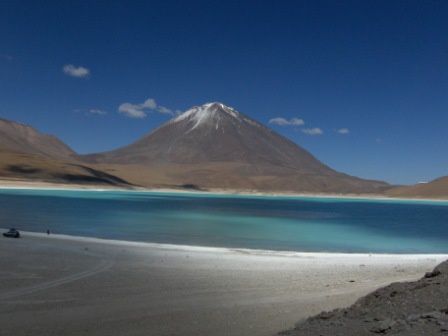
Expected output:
{"points": [[272, 223]]}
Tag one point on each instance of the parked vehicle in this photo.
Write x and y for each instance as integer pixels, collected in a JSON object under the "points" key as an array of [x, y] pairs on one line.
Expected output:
{"points": [[12, 233]]}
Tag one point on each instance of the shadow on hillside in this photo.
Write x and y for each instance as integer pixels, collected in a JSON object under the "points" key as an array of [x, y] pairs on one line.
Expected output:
{"points": [[86, 175], [23, 169], [92, 176], [190, 186]]}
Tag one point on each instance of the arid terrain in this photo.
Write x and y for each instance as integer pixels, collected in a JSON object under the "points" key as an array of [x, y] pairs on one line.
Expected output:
{"points": [[209, 147], [406, 309], [28, 155], [434, 189], [23, 167]]}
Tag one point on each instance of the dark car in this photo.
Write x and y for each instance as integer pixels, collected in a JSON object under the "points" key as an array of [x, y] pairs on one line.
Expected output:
{"points": [[12, 233]]}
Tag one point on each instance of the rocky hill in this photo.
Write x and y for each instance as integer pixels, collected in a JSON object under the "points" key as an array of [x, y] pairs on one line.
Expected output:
{"points": [[406, 309]]}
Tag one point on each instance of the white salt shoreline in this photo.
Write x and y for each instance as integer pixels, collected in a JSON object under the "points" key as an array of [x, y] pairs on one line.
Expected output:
{"points": [[320, 256], [10, 185]]}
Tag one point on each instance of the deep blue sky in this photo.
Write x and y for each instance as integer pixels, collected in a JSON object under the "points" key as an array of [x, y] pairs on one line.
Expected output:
{"points": [[377, 68]]}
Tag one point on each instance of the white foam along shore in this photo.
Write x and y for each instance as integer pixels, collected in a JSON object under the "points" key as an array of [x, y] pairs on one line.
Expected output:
{"points": [[326, 257], [28, 185]]}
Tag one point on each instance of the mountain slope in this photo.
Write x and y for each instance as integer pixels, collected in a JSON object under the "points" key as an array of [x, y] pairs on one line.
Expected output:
{"points": [[215, 133], [37, 168], [28, 155], [20, 138], [437, 188], [215, 146]]}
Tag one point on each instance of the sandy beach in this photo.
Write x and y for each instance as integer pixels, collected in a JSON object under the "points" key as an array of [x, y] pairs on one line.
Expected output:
{"points": [[63, 285]]}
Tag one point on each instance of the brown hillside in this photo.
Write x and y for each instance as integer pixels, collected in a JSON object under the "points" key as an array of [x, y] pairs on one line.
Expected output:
{"points": [[434, 189], [215, 146]]}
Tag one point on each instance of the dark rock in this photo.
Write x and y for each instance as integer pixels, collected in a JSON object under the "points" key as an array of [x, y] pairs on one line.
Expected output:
{"points": [[325, 315], [383, 326], [432, 274]]}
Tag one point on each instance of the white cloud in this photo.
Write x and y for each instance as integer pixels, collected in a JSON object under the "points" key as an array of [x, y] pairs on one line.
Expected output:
{"points": [[164, 110], [296, 122], [343, 131], [97, 111], [313, 131], [132, 110], [79, 72], [150, 104], [279, 121], [90, 111], [142, 110], [285, 122]]}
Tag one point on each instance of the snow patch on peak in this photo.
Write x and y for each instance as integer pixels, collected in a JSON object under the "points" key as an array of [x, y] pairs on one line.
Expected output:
{"points": [[211, 114], [206, 112]]}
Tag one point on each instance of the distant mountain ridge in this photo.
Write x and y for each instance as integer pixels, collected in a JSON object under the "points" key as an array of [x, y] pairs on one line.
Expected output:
{"points": [[437, 188], [211, 146], [21, 138], [26, 154], [214, 132], [215, 146]]}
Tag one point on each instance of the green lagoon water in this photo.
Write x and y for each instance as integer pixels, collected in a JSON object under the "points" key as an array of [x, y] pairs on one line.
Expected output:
{"points": [[272, 223]]}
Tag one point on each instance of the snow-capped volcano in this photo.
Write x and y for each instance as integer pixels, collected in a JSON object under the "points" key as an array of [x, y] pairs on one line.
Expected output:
{"points": [[214, 145], [214, 132], [210, 115]]}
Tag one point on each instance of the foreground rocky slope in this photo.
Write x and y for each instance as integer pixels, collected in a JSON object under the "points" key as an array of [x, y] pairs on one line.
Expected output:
{"points": [[412, 309]]}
